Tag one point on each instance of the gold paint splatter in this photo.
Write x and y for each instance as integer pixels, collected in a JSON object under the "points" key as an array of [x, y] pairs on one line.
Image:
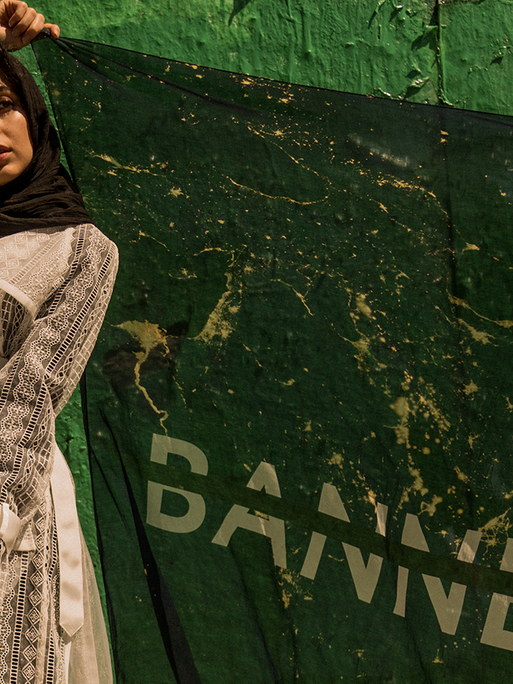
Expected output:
{"points": [[149, 336], [402, 433], [433, 410], [142, 234], [118, 165], [430, 508], [476, 334], [418, 484], [291, 580], [461, 476], [400, 406], [298, 294], [470, 388], [217, 324], [362, 306], [461, 302], [495, 527], [282, 197], [362, 347], [470, 247], [380, 180]]}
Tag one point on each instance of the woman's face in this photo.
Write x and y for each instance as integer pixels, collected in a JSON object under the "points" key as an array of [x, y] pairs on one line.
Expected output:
{"points": [[16, 150]]}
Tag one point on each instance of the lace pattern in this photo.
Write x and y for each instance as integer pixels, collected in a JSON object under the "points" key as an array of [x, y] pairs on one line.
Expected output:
{"points": [[68, 277]]}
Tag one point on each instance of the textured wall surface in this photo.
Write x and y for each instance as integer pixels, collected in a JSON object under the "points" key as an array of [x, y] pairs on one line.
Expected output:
{"points": [[457, 51], [476, 54]]}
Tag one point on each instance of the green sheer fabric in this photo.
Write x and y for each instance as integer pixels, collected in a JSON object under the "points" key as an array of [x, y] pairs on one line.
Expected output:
{"points": [[299, 410]]}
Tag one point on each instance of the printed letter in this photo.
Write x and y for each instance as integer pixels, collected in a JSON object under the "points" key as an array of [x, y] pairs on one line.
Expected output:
{"points": [[447, 608], [494, 633], [264, 477], [365, 577], [160, 448]]}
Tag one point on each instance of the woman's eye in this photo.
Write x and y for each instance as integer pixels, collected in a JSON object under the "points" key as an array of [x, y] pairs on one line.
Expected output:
{"points": [[5, 105]]}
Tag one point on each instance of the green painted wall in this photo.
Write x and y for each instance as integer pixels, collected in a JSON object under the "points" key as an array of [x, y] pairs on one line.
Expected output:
{"points": [[476, 54], [458, 53]]}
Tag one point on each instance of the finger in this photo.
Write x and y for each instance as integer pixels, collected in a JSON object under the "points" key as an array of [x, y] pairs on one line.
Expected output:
{"points": [[55, 31], [32, 31], [15, 10], [26, 21]]}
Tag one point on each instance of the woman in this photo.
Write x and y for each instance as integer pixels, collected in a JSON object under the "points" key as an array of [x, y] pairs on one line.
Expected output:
{"points": [[56, 277]]}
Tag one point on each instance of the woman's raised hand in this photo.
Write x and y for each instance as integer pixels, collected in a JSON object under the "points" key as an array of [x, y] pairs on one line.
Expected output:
{"points": [[20, 24]]}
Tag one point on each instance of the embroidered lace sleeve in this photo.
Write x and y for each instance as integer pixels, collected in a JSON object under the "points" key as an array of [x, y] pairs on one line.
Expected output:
{"points": [[52, 311]]}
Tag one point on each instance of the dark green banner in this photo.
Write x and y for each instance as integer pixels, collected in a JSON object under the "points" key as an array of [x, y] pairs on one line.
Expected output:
{"points": [[300, 406]]}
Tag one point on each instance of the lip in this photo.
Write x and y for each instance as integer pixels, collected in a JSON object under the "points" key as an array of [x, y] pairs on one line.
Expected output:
{"points": [[4, 152]]}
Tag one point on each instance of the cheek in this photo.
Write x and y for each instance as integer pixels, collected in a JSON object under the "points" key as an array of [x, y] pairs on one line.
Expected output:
{"points": [[26, 149], [14, 134]]}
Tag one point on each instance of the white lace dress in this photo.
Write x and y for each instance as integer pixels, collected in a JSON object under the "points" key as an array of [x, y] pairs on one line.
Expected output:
{"points": [[54, 291]]}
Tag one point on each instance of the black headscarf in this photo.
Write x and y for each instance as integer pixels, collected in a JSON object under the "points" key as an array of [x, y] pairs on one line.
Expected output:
{"points": [[43, 196]]}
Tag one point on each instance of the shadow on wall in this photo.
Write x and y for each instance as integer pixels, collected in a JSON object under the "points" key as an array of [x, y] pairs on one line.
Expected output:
{"points": [[238, 6]]}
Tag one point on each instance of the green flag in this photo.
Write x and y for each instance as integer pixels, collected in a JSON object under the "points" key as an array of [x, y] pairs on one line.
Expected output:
{"points": [[299, 410]]}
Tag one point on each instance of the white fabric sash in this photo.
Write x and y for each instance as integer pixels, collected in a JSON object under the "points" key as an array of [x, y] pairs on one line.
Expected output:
{"points": [[70, 550], [15, 538]]}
